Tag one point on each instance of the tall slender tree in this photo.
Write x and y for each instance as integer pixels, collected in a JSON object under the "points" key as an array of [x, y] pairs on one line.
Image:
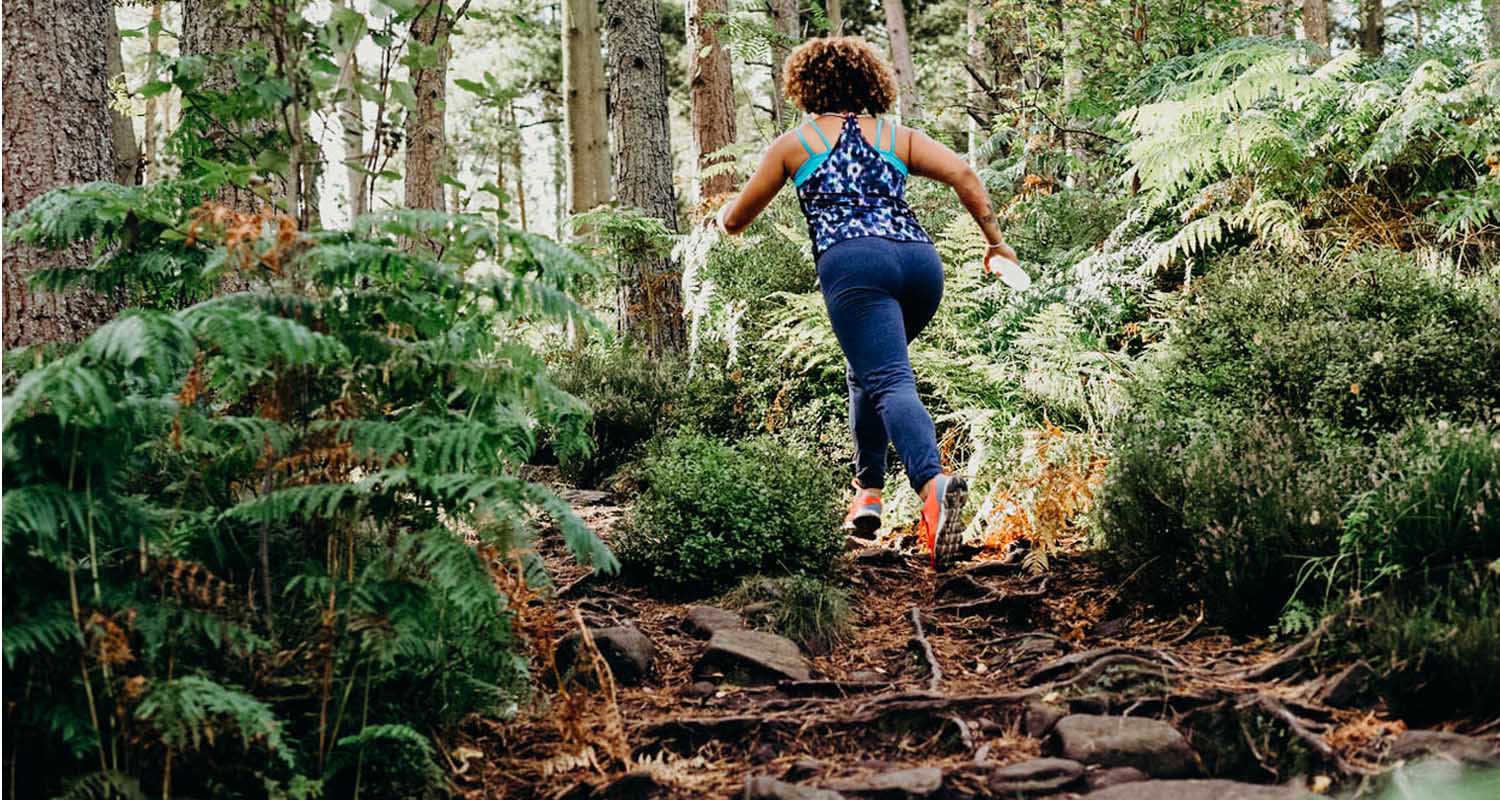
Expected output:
{"points": [[585, 94], [352, 122], [58, 131], [834, 9], [426, 126], [1372, 27], [1492, 26], [127, 149], [650, 300], [154, 107], [712, 92], [901, 61], [784, 19], [1315, 24]]}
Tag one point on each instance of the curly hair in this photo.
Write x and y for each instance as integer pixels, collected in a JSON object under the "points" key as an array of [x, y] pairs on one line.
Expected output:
{"points": [[838, 74]]}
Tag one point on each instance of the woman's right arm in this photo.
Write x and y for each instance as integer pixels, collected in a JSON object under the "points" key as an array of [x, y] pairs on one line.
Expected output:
{"points": [[932, 159]]}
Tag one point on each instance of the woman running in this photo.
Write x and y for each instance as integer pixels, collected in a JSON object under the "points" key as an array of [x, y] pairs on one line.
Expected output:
{"points": [[880, 274]]}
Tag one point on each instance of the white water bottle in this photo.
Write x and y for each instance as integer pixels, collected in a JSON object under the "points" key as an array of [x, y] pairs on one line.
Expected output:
{"points": [[1010, 272]]}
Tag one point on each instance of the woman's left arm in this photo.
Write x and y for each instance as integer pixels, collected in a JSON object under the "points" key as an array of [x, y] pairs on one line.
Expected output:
{"points": [[759, 191]]}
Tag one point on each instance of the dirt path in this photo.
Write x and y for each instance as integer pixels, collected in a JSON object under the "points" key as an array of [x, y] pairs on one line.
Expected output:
{"points": [[966, 671]]}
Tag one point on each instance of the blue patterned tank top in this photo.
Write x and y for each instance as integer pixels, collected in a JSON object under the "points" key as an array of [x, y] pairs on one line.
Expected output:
{"points": [[851, 189]]}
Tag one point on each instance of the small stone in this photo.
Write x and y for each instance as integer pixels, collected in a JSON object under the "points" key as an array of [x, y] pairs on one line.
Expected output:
{"points": [[630, 786], [1111, 628], [802, 769], [1197, 790], [752, 657], [700, 689], [1413, 745], [867, 676], [1149, 745], [702, 622], [853, 543], [1040, 718], [898, 783], [631, 655], [1036, 776], [1114, 776], [764, 787], [877, 557]]}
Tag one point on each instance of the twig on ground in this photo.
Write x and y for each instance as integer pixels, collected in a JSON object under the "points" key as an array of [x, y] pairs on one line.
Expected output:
{"points": [[935, 671]]}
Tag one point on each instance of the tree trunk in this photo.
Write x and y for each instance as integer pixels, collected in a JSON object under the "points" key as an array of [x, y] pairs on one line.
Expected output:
{"points": [[788, 29], [906, 72], [213, 30], [1372, 27], [127, 151], [58, 131], [153, 105], [426, 130], [517, 166], [1492, 26], [584, 112], [834, 9], [974, 50], [712, 93], [352, 121], [1273, 19], [650, 300], [1315, 25]]}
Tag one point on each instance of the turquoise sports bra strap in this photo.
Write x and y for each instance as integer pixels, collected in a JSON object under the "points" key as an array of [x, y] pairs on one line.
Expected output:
{"points": [[892, 148], [803, 139], [814, 123]]}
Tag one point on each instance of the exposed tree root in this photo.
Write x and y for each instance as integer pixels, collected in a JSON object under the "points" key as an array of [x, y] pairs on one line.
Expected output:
{"points": [[919, 638]]}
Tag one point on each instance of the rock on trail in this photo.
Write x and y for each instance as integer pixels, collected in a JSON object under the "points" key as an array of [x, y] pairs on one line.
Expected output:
{"points": [[751, 657], [1152, 746]]}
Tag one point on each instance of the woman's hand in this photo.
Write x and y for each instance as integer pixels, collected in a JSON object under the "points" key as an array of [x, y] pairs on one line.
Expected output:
{"points": [[1000, 249]]}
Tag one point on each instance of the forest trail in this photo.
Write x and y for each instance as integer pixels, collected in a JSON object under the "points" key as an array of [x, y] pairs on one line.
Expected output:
{"points": [[980, 681]]}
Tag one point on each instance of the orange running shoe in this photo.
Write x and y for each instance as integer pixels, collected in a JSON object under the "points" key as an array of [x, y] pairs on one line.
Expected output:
{"points": [[864, 511], [942, 527]]}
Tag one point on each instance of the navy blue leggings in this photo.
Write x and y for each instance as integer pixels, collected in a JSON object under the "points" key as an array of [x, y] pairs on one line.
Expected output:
{"points": [[880, 294]]}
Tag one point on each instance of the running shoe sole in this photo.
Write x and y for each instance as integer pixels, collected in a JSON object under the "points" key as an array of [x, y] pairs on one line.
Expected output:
{"points": [[864, 524], [950, 528]]}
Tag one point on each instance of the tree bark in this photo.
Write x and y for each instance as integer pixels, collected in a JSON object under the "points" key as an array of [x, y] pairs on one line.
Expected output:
{"points": [[584, 112], [352, 122], [127, 151], [834, 10], [153, 104], [1315, 25], [1492, 26], [974, 50], [1273, 18], [712, 93], [58, 130], [788, 29], [1372, 27], [214, 30], [906, 72], [426, 128], [650, 299]]}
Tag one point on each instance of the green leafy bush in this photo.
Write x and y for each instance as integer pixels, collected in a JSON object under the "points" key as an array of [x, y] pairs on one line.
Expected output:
{"points": [[1276, 416], [235, 531], [713, 513], [812, 612]]}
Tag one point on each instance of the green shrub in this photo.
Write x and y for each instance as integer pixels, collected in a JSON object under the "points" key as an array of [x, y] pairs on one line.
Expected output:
{"points": [[1277, 415], [811, 612], [713, 513]]}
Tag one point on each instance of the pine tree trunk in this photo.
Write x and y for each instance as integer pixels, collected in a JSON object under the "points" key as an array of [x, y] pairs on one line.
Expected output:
{"points": [[1315, 25], [1372, 27], [214, 30], [650, 300], [712, 93], [784, 20], [58, 131], [426, 129], [153, 104], [834, 9], [127, 150], [1492, 26], [584, 112], [1273, 19], [352, 121], [906, 72]]}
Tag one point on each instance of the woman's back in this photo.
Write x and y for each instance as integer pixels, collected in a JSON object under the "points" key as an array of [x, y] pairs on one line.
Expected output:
{"points": [[852, 183]]}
